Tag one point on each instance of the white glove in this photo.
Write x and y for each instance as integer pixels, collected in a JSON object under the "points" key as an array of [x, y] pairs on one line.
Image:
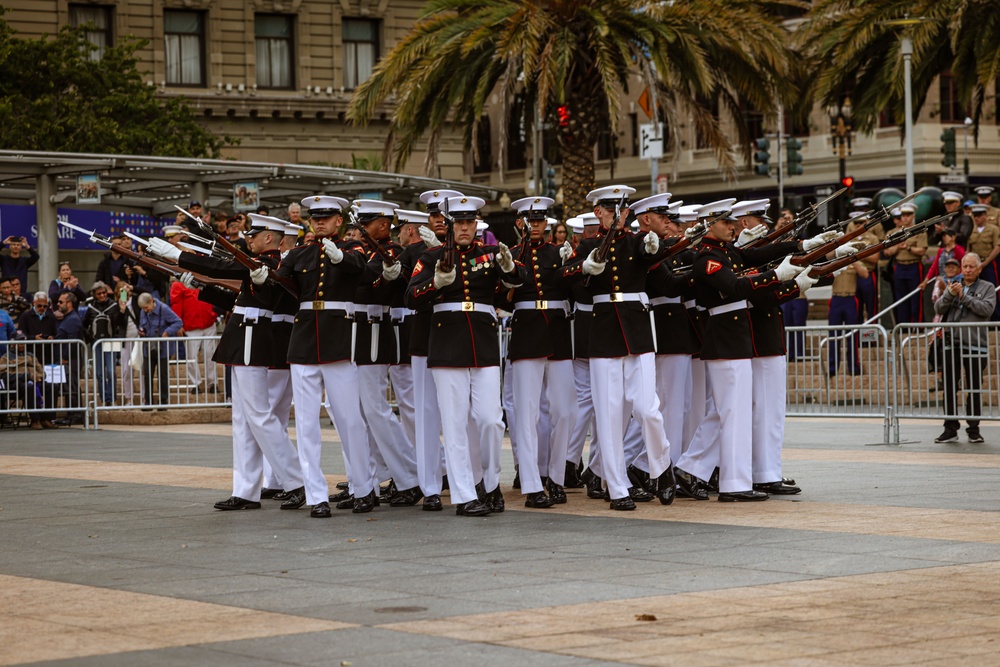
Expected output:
{"points": [[443, 278], [850, 248], [751, 235], [428, 236], [566, 251], [820, 239], [391, 271], [786, 270], [693, 234], [651, 243], [504, 258], [259, 276], [805, 281], [591, 266], [163, 249], [335, 254], [186, 279]]}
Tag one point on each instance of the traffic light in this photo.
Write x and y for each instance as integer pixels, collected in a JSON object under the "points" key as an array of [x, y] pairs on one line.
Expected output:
{"points": [[562, 113], [548, 188], [793, 146], [847, 182], [948, 147], [762, 157]]}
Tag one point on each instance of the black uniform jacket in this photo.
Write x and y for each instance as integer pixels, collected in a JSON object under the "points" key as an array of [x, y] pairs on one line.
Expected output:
{"points": [[264, 351], [728, 334], [541, 333], [623, 328], [321, 336], [461, 339], [416, 329], [675, 328], [582, 320], [375, 292], [765, 315]]}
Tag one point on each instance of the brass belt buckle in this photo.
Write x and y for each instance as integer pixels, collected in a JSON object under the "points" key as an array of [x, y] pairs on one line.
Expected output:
{"points": [[617, 297], [468, 306], [319, 305], [542, 305]]}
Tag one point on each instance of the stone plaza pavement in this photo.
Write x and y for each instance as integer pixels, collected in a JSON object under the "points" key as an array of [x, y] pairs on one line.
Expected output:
{"points": [[111, 554]]}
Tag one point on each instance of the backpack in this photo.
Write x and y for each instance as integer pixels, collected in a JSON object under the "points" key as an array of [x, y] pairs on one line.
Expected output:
{"points": [[100, 324]]}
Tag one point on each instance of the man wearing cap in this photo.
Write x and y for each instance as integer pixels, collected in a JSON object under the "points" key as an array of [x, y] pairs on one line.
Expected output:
{"points": [[327, 272], [960, 223], [540, 352], [249, 347], [984, 241], [984, 197], [909, 270], [426, 415], [622, 363], [464, 353], [376, 349]]}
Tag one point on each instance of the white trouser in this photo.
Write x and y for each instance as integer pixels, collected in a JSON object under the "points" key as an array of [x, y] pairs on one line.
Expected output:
{"points": [[473, 399], [731, 383], [386, 431], [585, 414], [427, 422], [769, 378], [279, 391], [256, 432], [635, 448], [535, 379], [401, 376], [701, 456], [617, 383], [507, 403], [341, 381], [699, 402], [674, 389], [207, 347]]}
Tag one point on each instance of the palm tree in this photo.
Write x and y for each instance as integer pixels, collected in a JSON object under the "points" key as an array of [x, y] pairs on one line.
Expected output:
{"points": [[584, 55]]}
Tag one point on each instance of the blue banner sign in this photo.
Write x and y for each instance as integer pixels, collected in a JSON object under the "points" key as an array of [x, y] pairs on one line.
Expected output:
{"points": [[20, 220]]}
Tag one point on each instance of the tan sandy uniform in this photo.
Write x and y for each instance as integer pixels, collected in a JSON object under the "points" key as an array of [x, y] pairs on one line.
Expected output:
{"points": [[904, 256], [870, 237], [993, 216], [846, 283], [983, 242]]}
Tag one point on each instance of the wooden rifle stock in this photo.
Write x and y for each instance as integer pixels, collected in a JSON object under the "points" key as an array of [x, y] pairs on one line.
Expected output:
{"points": [[893, 239], [252, 264], [174, 270]]}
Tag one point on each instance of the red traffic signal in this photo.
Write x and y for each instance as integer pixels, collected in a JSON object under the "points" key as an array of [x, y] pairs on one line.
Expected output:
{"points": [[562, 112], [847, 181]]}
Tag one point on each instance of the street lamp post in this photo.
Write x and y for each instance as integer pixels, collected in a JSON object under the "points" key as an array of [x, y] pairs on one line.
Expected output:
{"points": [[906, 48], [840, 133], [965, 163]]}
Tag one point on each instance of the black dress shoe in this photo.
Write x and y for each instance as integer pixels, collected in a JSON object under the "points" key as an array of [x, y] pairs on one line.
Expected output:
{"points": [[444, 483], [538, 500], [666, 486], [282, 495], [777, 489], [585, 475], [385, 493], [556, 493], [743, 497], [481, 491], [432, 504], [320, 511], [296, 499], [594, 488], [639, 494], [572, 479], [346, 504], [234, 503], [406, 498], [623, 504], [269, 494], [342, 486], [788, 480], [517, 478], [343, 495], [713, 482], [366, 504], [689, 486], [637, 477], [495, 500], [473, 508]]}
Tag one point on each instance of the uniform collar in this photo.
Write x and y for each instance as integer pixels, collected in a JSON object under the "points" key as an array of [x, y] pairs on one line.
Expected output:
{"points": [[715, 243]]}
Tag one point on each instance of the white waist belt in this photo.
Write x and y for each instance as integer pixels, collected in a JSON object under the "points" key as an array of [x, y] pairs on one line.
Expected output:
{"points": [[465, 307], [372, 309], [542, 305], [401, 313], [283, 318], [253, 313], [328, 305], [728, 308], [585, 307], [690, 303], [664, 300], [619, 297]]}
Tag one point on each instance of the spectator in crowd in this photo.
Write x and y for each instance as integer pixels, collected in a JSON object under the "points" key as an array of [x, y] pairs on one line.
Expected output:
{"points": [[65, 282], [948, 250], [22, 372], [234, 232], [961, 224], [308, 236], [114, 267], [129, 308], [560, 233], [7, 329], [157, 321], [39, 323], [104, 319], [844, 312], [70, 356], [908, 269], [985, 242], [965, 348], [198, 318], [11, 299], [295, 213], [16, 263]]}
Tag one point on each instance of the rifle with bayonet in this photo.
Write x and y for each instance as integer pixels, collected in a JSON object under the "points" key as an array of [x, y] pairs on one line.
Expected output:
{"points": [[151, 262], [601, 255], [240, 257], [384, 254], [793, 228], [524, 238], [700, 230], [895, 238], [448, 254]]}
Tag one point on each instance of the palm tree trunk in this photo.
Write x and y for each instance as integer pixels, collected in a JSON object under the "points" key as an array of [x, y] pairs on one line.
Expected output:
{"points": [[577, 142]]}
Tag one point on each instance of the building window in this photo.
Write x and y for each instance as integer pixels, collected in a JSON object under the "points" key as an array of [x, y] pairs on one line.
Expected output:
{"points": [[484, 147], [518, 129], [360, 50], [951, 110], [273, 34], [97, 21], [184, 43]]}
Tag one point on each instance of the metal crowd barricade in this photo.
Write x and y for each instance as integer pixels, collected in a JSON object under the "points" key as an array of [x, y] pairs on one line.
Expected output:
{"points": [[40, 378], [947, 370], [838, 371], [143, 373]]}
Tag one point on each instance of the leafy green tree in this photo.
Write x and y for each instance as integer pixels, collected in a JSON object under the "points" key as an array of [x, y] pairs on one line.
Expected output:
{"points": [[694, 56], [54, 97]]}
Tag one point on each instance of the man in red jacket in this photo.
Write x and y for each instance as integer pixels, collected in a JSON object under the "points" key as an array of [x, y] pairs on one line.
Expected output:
{"points": [[199, 321]]}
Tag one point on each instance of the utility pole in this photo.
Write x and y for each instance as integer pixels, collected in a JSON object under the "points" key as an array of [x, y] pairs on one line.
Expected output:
{"points": [[781, 172]]}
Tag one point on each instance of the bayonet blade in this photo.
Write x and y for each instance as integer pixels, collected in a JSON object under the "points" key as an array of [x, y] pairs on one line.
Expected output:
{"points": [[139, 239], [88, 232]]}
